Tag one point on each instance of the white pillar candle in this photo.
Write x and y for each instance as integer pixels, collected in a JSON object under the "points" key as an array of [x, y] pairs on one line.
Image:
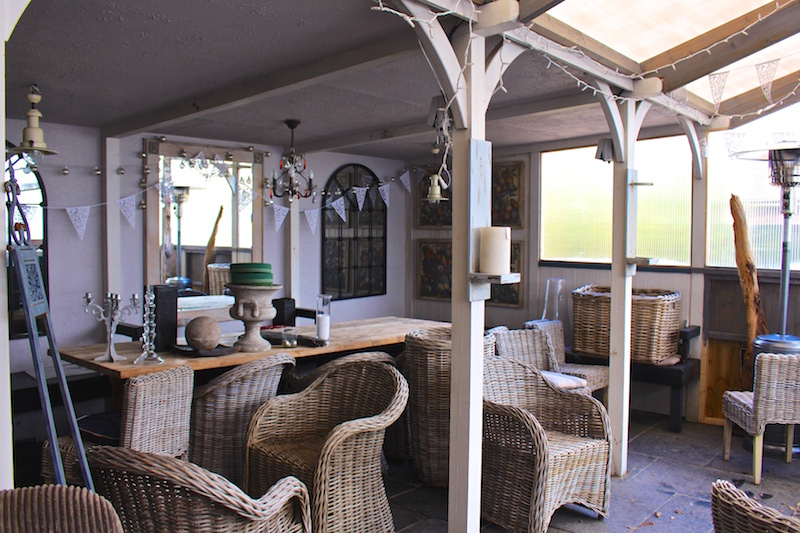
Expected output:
{"points": [[495, 255], [323, 327]]}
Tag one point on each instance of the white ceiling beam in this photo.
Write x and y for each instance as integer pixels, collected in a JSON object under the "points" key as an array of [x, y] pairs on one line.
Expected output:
{"points": [[681, 109], [273, 85], [446, 66], [568, 57], [497, 17], [530, 9], [690, 130], [535, 107], [498, 61], [752, 100], [762, 33], [463, 9]]}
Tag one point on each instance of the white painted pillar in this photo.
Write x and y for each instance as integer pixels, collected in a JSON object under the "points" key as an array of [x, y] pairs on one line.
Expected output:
{"points": [[292, 282], [471, 209], [113, 235], [11, 11]]}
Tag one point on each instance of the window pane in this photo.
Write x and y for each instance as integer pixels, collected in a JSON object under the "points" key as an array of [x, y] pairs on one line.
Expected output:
{"points": [[576, 203], [749, 180], [576, 194], [664, 230]]}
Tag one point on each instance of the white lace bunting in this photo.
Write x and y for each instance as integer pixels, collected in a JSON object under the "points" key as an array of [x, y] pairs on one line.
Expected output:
{"points": [[312, 217], [79, 217], [128, 207], [280, 214]]}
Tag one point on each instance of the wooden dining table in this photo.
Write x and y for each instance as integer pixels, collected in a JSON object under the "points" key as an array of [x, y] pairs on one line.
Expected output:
{"points": [[383, 333]]}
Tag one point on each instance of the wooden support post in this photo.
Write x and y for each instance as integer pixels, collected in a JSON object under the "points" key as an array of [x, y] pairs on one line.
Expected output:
{"points": [[113, 231]]}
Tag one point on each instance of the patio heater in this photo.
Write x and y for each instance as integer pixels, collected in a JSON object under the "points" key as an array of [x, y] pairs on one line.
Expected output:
{"points": [[181, 196], [784, 171]]}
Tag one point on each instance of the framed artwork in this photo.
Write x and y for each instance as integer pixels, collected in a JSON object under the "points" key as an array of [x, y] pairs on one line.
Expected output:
{"points": [[510, 295], [508, 198], [433, 215], [435, 260]]}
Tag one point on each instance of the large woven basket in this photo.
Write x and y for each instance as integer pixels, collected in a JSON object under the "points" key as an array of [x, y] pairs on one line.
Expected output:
{"points": [[655, 322]]}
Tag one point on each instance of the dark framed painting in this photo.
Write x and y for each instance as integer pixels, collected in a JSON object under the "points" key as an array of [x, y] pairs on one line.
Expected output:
{"points": [[433, 215], [508, 194], [435, 260], [510, 295]]}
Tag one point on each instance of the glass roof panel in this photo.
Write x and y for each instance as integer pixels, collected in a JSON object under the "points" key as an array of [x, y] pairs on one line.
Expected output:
{"points": [[641, 29], [742, 75]]}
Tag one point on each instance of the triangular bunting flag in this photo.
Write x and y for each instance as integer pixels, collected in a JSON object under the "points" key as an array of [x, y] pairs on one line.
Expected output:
{"points": [[384, 189], [405, 178], [231, 182], [245, 197], [79, 217], [280, 214], [128, 207], [361, 195], [766, 73], [312, 216], [29, 211], [732, 142], [717, 82], [201, 156], [338, 205]]}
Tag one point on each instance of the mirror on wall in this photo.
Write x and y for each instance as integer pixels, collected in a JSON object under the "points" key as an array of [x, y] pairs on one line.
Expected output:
{"points": [[33, 199], [205, 198]]}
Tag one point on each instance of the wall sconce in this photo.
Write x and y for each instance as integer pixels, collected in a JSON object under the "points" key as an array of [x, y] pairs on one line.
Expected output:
{"points": [[605, 150]]}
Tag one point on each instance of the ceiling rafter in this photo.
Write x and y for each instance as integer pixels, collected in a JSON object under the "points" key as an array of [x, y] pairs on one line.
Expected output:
{"points": [[530, 9], [754, 99], [245, 93], [764, 32], [566, 35], [533, 107]]}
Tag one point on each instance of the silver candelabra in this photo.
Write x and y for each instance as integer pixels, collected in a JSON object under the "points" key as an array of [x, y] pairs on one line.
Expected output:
{"points": [[110, 312]]}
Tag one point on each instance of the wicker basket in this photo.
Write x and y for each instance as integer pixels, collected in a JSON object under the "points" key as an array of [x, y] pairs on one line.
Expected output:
{"points": [[655, 322], [219, 274]]}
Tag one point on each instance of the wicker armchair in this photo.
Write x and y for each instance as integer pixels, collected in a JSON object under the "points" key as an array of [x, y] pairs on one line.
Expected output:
{"points": [[427, 368], [330, 436], [596, 376], [56, 509], [733, 511], [775, 399], [222, 408], [158, 493], [533, 347], [542, 447], [156, 413], [295, 382]]}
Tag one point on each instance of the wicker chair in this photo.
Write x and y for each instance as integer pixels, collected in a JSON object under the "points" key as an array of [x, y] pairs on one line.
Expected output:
{"points": [[154, 492], [222, 408], [533, 347], [56, 509], [775, 399], [733, 511], [330, 436], [219, 274], [543, 447], [596, 376], [156, 413], [427, 368]]}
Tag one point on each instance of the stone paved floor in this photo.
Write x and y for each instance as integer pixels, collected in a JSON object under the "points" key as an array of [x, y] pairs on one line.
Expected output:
{"points": [[667, 487]]}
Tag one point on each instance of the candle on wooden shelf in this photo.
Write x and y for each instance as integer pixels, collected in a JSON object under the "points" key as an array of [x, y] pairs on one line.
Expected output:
{"points": [[495, 257]]}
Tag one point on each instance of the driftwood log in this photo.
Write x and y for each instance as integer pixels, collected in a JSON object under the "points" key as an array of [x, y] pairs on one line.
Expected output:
{"points": [[211, 252], [748, 279]]}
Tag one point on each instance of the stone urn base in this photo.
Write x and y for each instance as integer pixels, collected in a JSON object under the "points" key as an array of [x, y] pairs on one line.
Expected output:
{"points": [[253, 305]]}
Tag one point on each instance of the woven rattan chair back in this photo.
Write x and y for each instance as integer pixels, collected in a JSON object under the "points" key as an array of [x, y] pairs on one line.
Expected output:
{"points": [[155, 418], [527, 345], [158, 493], [555, 334], [330, 436], [427, 368], [56, 509], [156, 412], [775, 399], [221, 411], [733, 511]]}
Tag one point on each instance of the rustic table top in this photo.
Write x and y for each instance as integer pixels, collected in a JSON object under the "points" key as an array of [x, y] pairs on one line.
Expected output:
{"points": [[345, 337]]}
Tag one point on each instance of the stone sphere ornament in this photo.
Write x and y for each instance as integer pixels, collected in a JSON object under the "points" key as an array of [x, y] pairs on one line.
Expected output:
{"points": [[203, 333]]}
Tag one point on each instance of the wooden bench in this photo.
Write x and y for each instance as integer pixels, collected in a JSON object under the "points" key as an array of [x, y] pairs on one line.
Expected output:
{"points": [[676, 376]]}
